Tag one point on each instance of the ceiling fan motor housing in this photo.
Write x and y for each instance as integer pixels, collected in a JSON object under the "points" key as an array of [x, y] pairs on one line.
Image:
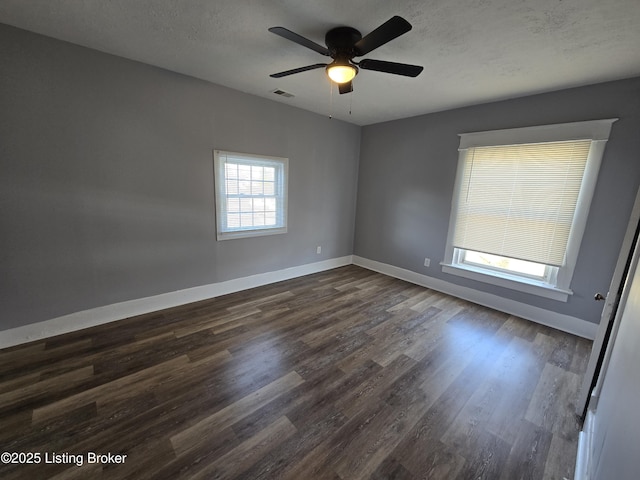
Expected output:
{"points": [[341, 42]]}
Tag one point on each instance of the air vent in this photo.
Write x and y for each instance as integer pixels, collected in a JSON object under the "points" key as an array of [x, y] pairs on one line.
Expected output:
{"points": [[282, 93]]}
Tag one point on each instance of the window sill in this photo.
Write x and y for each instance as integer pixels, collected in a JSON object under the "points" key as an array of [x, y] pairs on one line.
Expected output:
{"points": [[503, 280], [250, 233]]}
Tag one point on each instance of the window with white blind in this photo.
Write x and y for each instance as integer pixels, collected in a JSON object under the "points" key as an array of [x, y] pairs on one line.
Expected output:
{"points": [[251, 194], [520, 205]]}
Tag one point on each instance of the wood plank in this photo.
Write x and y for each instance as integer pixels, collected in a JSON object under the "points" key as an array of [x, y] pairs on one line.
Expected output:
{"points": [[430, 458], [241, 458], [487, 460], [193, 436], [210, 322], [529, 454], [553, 397], [372, 387], [120, 388], [37, 392], [276, 463], [561, 459]]}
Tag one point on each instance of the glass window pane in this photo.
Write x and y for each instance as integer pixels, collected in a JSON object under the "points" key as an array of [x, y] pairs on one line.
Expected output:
{"points": [[257, 173], [269, 188], [270, 218], [246, 220], [233, 220], [256, 188], [505, 263], [232, 187], [244, 172], [258, 204], [270, 204], [233, 205], [245, 187], [269, 174], [246, 205], [258, 219]]}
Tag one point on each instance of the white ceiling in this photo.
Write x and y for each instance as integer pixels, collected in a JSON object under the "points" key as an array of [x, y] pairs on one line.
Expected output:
{"points": [[473, 51]]}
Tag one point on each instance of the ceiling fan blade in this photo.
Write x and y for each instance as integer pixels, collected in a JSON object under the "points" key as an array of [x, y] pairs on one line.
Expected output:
{"points": [[300, 40], [391, 67], [392, 28], [298, 70], [345, 87]]}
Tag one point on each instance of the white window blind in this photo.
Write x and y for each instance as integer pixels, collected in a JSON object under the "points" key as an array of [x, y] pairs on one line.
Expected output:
{"points": [[519, 201], [251, 194]]}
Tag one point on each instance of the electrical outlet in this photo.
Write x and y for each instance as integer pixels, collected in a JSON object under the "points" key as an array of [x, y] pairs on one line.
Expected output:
{"points": [[318, 249], [427, 262]]}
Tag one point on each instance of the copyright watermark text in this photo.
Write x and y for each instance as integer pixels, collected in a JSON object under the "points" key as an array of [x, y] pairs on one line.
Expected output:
{"points": [[78, 459]]}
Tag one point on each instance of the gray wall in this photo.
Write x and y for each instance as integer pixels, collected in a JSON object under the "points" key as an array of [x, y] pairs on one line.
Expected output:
{"points": [[407, 171], [106, 186]]}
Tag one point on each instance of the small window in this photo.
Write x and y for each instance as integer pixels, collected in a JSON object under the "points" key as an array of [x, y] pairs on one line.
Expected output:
{"points": [[251, 195], [520, 205]]}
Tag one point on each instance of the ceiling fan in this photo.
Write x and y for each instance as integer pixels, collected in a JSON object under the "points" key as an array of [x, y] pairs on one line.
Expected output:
{"points": [[345, 43]]}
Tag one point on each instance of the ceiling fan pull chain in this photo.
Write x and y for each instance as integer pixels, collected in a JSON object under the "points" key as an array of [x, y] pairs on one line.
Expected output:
{"points": [[350, 102], [330, 99]]}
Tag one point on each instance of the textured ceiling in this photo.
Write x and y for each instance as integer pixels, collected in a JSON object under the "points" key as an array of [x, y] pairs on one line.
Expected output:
{"points": [[473, 51]]}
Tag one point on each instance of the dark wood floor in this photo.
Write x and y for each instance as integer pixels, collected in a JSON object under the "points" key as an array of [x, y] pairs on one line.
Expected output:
{"points": [[344, 374]]}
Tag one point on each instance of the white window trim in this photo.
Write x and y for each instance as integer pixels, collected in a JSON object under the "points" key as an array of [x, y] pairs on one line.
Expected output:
{"points": [[220, 199], [596, 130], [503, 279]]}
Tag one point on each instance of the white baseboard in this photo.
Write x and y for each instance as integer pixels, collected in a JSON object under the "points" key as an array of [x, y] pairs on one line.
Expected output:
{"points": [[583, 457], [118, 311], [555, 320]]}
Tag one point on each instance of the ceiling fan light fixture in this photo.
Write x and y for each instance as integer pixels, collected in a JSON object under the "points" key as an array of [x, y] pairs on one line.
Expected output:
{"points": [[345, 43], [341, 72]]}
